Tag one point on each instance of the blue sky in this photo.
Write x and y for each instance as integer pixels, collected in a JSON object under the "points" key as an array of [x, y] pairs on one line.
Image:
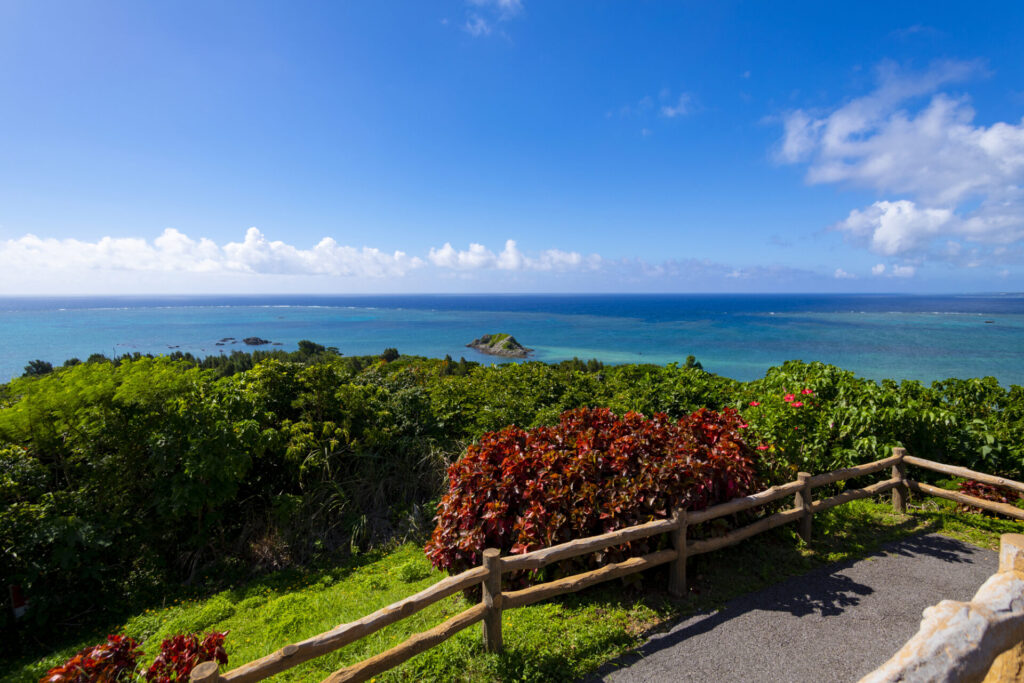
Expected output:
{"points": [[511, 145]]}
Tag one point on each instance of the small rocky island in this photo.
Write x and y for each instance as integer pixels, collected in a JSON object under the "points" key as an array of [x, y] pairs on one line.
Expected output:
{"points": [[500, 345]]}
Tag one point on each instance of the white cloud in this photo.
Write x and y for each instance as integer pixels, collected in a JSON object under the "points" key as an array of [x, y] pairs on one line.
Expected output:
{"points": [[895, 271], [478, 257], [680, 108], [507, 8], [953, 179], [173, 251], [647, 108], [841, 274], [896, 227], [477, 26], [481, 22]]}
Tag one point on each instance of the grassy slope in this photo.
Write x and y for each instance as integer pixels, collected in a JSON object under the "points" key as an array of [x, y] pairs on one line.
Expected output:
{"points": [[557, 640]]}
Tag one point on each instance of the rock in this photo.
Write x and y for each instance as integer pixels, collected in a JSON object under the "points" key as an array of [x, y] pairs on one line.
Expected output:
{"points": [[500, 345], [255, 341]]}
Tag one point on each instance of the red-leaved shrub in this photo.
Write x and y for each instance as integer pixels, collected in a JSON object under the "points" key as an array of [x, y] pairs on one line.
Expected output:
{"points": [[996, 494], [521, 490], [182, 653], [117, 660], [111, 661]]}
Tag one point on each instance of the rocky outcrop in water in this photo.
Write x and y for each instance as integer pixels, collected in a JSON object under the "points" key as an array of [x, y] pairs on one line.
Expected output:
{"points": [[500, 345]]}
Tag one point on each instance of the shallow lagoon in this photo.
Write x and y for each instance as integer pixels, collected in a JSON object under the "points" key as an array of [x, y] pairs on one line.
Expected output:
{"points": [[878, 336]]}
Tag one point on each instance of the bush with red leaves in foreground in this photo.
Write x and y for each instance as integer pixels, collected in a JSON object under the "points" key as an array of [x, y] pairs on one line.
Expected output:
{"points": [[521, 490], [180, 654], [117, 660], [113, 660]]}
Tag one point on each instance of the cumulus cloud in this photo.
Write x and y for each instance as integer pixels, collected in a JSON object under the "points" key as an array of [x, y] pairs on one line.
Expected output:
{"points": [[897, 270], [953, 179], [896, 227], [479, 257], [841, 274], [176, 255], [173, 251]]}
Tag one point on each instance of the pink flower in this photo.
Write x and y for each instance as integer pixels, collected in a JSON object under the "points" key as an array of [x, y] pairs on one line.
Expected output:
{"points": [[788, 397], [762, 447], [797, 404], [754, 403], [807, 392]]}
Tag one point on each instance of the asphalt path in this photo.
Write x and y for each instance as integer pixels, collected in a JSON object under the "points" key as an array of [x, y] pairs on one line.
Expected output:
{"points": [[836, 623]]}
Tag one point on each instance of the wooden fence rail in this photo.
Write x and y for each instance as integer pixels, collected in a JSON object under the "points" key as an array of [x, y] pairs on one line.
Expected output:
{"points": [[494, 601]]}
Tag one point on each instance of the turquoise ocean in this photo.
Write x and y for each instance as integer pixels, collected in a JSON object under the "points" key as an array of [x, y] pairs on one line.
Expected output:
{"points": [[877, 336]]}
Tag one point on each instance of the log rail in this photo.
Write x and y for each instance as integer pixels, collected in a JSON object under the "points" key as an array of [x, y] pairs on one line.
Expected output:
{"points": [[493, 567]]}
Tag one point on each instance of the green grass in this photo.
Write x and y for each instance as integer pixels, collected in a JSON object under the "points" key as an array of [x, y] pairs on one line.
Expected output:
{"points": [[561, 639]]}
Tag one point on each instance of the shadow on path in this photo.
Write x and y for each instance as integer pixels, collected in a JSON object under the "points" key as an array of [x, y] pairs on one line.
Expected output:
{"points": [[776, 614]]}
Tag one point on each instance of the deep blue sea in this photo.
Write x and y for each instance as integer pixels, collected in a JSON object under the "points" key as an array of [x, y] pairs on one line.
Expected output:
{"points": [[740, 336]]}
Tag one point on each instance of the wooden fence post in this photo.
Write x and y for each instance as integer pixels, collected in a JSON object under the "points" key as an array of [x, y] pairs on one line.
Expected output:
{"points": [[803, 502], [207, 672], [899, 471], [492, 601], [677, 570]]}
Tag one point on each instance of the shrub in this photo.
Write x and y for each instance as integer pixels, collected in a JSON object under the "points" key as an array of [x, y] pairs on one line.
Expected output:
{"points": [[113, 660], [117, 660], [592, 473], [182, 653], [785, 427], [996, 494]]}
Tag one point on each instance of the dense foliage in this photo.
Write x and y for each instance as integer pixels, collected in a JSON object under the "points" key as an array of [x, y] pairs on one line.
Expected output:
{"points": [[120, 478], [521, 490]]}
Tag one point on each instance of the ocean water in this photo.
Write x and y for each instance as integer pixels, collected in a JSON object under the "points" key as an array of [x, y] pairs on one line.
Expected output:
{"points": [[877, 336]]}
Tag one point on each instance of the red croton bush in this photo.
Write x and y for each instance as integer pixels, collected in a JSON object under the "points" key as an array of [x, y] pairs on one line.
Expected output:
{"points": [[180, 654], [117, 660], [996, 494], [113, 660], [521, 490]]}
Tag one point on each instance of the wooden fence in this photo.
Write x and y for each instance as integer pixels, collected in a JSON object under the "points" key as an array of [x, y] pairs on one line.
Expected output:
{"points": [[495, 600]]}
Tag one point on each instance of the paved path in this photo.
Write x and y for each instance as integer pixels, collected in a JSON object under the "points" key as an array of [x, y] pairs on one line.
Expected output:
{"points": [[836, 623]]}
